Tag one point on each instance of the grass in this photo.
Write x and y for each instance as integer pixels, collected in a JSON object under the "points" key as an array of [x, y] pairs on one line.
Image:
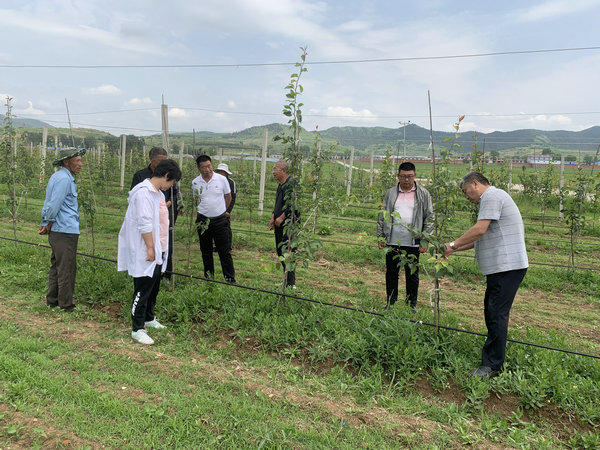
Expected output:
{"points": [[311, 351], [238, 369]]}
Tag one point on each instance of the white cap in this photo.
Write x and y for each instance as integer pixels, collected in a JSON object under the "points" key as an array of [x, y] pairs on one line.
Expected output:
{"points": [[224, 167]]}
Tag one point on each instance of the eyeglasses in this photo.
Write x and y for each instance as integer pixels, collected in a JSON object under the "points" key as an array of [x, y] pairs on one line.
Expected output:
{"points": [[406, 177]]}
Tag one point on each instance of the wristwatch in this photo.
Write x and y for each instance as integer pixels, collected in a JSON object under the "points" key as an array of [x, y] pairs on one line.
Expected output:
{"points": [[452, 246]]}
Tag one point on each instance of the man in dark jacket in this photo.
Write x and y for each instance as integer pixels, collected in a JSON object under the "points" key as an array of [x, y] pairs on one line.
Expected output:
{"points": [[410, 212], [282, 212], [172, 198]]}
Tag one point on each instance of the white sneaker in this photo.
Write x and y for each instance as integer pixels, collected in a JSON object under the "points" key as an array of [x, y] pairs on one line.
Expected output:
{"points": [[142, 337], [154, 323]]}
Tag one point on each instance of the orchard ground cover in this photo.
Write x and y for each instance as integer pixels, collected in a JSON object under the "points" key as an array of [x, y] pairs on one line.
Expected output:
{"points": [[364, 366]]}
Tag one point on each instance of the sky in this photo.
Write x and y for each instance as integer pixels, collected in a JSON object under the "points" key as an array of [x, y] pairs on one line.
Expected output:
{"points": [[222, 65]]}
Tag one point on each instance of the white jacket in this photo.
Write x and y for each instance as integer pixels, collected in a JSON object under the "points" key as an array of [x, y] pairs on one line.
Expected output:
{"points": [[142, 216]]}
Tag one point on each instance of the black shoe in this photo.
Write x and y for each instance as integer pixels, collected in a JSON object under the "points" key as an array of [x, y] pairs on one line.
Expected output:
{"points": [[413, 310], [484, 372]]}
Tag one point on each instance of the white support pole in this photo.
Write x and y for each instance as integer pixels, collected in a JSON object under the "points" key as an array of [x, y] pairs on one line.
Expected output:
{"points": [[123, 153], [562, 184], [254, 167], [263, 171], [371, 174], [164, 109], [318, 158], [181, 154], [349, 186], [43, 153]]}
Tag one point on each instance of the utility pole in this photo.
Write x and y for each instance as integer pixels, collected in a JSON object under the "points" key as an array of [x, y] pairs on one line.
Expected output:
{"points": [[164, 112], [404, 133]]}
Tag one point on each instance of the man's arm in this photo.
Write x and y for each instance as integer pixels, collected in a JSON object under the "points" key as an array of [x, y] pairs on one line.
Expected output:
{"points": [[233, 195], [55, 199], [136, 180], [467, 240], [227, 200], [279, 220]]}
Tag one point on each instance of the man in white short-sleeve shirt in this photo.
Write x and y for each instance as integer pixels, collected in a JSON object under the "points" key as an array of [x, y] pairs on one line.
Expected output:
{"points": [[499, 240], [213, 195]]}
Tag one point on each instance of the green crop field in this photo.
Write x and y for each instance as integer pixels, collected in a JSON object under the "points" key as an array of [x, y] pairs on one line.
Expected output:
{"points": [[242, 366]]}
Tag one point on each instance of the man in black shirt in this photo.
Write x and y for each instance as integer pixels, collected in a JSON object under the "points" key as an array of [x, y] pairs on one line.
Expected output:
{"points": [[223, 169], [172, 198], [282, 212]]}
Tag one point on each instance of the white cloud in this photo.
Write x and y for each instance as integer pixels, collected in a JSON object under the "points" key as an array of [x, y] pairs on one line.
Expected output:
{"points": [[177, 112], [555, 9], [353, 26], [546, 121], [348, 112], [104, 89], [231, 104], [138, 101], [76, 31], [30, 110]]}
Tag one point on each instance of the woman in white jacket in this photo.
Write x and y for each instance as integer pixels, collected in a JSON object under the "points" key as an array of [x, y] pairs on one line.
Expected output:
{"points": [[144, 244]]}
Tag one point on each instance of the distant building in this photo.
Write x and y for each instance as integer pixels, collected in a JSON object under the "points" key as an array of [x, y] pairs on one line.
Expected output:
{"points": [[539, 159]]}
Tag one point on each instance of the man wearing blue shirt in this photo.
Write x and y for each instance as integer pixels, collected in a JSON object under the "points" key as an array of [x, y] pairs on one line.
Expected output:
{"points": [[60, 221]]}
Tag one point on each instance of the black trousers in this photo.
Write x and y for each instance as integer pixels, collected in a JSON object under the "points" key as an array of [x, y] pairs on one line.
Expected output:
{"points": [[499, 296], [169, 266], [392, 258], [280, 238], [216, 230], [145, 291], [63, 270]]}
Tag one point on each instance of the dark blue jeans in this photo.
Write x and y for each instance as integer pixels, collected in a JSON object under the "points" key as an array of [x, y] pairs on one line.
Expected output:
{"points": [[499, 296]]}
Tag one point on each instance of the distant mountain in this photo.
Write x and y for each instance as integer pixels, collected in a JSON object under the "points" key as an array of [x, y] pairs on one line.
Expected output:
{"points": [[416, 137], [29, 123], [363, 139]]}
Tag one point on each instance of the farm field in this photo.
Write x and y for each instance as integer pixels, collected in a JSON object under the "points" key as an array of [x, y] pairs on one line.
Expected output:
{"points": [[241, 367]]}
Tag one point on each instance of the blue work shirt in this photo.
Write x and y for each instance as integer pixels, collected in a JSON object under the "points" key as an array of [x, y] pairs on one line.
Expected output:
{"points": [[61, 205]]}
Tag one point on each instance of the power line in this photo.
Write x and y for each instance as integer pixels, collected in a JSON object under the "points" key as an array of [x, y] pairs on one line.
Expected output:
{"points": [[274, 64], [323, 303]]}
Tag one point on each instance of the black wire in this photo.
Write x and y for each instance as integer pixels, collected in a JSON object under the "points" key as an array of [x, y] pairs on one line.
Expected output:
{"points": [[320, 302], [352, 61]]}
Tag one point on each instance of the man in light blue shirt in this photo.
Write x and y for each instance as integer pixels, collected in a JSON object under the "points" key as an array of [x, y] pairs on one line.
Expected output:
{"points": [[60, 221]]}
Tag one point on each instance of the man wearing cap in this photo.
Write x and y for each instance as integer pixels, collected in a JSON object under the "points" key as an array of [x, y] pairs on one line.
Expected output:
{"points": [[223, 169], [173, 198], [60, 221]]}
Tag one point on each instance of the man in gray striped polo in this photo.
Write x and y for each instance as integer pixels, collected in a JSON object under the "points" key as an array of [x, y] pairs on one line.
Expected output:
{"points": [[499, 240]]}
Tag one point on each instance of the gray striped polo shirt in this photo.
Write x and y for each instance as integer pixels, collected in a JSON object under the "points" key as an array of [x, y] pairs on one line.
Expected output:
{"points": [[502, 247]]}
